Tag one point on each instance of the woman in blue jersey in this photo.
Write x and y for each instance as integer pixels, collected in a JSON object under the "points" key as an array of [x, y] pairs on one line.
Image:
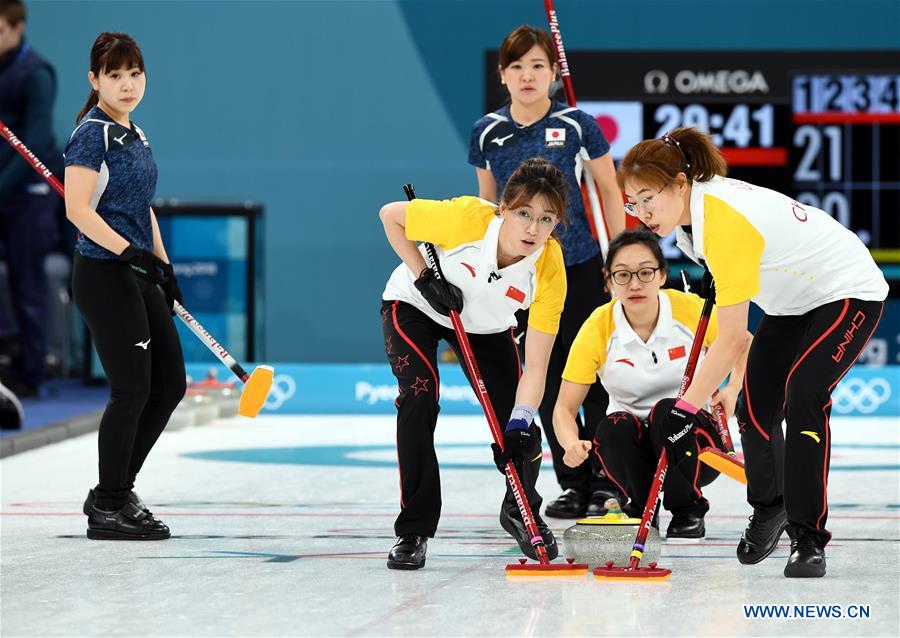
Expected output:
{"points": [[822, 295], [533, 124], [120, 262]]}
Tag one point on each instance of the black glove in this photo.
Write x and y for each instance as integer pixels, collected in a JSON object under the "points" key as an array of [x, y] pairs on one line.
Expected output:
{"points": [[170, 285], [679, 438], [440, 295], [516, 440], [143, 263], [707, 286]]}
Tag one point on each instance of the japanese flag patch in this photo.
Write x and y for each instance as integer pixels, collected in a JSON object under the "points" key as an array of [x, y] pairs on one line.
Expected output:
{"points": [[554, 137]]}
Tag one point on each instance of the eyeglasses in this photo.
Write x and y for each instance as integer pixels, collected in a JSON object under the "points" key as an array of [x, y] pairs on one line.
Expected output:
{"points": [[623, 277], [524, 217], [645, 204]]}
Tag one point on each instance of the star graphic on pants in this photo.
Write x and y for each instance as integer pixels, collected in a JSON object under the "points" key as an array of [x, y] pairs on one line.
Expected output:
{"points": [[618, 416], [389, 345], [421, 385], [402, 362]]}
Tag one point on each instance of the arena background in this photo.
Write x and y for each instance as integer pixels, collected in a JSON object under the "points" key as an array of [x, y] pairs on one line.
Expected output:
{"points": [[318, 112]]}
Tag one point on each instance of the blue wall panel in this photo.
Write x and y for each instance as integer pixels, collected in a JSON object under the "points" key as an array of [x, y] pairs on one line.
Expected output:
{"points": [[322, 110]]}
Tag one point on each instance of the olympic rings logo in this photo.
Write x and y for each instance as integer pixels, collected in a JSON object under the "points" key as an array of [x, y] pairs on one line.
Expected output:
{"points": [[283, 388], [860, 395]]}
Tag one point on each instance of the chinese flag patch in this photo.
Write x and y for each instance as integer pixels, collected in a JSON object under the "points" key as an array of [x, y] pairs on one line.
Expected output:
{"points": [[676, 353], [514, 293]]}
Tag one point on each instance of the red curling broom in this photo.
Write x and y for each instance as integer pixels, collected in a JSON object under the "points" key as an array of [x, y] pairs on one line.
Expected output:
{"points": [[633, 571], [523, 568], [724, 462]]}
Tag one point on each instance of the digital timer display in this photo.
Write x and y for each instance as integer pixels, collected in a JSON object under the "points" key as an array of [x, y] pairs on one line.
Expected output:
{"points": [[822, 127]]}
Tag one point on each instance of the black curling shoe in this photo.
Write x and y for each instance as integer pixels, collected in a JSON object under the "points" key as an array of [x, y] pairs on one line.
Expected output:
{"points": [[408, 552], [686, 526], [570, 504], [761, 537], [133, 498], [128, 523], [807, 556], [511, 521]]}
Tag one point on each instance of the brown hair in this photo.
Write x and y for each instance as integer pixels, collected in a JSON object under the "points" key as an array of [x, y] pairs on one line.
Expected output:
{"points": [[537, 176], [520, 41], [111, 51], [685, 150], [13, 11]]}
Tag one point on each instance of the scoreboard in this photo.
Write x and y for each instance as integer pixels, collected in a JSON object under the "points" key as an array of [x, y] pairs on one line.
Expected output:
{"points": [[823, 127]]}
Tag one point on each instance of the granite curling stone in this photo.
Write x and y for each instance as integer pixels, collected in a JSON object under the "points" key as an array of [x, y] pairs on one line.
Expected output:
{"points": [[598, 539]]}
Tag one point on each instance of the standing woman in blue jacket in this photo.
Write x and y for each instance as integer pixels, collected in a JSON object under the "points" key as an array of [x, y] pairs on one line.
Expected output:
{"points": [[532, 124], [120, 264]]}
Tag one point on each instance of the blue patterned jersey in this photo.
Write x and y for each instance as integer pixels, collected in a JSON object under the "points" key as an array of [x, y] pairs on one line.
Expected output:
{"points": [[126, 182], [565, 137]]}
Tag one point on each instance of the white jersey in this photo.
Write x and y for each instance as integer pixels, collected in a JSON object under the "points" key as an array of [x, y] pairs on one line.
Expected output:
{"points": [[635, 373], [786, 257], [465, 232]]}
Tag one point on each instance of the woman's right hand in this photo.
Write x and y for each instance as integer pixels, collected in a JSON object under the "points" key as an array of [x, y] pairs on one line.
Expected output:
{"points": [[440, 295], [577, 453]]}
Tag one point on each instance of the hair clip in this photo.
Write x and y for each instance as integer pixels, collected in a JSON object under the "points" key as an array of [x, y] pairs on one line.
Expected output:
{"points": [[668, 140]]}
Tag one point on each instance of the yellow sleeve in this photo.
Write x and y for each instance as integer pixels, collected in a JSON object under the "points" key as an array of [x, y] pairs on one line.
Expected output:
{"points": [[686, 310], [550, 295], [587, 356], [733, 249], [450, 222]]}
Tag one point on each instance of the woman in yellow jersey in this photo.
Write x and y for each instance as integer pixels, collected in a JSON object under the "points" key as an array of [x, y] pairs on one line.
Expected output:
{"points": [[497, 261], [822, 295], [638, 345]]}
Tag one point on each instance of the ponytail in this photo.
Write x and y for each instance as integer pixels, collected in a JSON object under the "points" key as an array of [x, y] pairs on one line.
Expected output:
{"points": [[685, 150], [92, 101]]}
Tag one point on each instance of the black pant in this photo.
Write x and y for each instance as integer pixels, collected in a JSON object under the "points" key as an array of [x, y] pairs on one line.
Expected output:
{"points": [[139, 348], [628, 450], [794, 364], [585, 294], [28, 231], [410, 340]]}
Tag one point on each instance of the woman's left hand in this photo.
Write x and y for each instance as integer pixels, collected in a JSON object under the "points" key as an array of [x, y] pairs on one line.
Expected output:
{"points": [[170, 285], [726, 399]]}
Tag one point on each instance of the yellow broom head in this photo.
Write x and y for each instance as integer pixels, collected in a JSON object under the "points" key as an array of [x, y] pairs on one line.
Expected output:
{"points": [[724, 463], [256, 390]]}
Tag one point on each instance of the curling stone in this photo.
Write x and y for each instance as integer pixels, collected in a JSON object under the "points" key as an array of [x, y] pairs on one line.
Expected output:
{"points": [[598, 539], [183, 416], [205, 409], [224, 395], [229, 400]]}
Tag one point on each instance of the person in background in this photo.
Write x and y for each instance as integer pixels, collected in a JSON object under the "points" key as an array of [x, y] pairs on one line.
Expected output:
{"points": [[533, 124], [120, 264], [28, 224]]}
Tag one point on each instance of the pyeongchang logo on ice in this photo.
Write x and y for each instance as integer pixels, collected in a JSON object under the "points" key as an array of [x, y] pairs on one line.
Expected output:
{"points": [[373, 394]]}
